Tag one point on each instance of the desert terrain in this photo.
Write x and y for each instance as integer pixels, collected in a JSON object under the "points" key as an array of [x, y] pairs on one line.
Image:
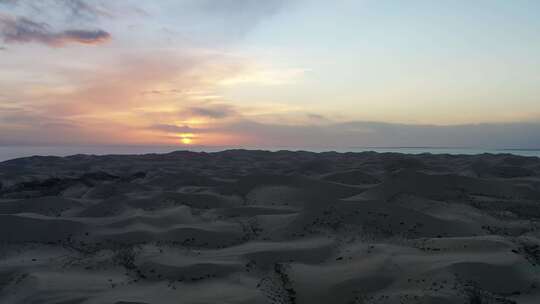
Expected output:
{"points": [[245, 226]]}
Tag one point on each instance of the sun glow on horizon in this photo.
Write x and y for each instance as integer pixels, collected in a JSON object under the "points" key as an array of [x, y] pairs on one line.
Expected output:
{"points": [[187, 138]]}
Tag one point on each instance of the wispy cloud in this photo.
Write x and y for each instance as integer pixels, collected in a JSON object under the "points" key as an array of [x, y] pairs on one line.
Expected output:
{"points": [[218, 22], [215, 111], [81, 8], [172, 128], [69, 8], [24, 30]]}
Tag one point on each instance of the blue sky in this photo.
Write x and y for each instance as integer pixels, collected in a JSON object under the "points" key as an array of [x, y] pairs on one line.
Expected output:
{"points": [[200, 71]]}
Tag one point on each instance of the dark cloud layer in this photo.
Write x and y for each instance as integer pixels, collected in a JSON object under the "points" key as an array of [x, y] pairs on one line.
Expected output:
{"points": [[19, 126], [377, 134], [24, 30]]}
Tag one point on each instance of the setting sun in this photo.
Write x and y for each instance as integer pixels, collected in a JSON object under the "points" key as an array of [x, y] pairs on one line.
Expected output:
{"points": [[187, 138]]}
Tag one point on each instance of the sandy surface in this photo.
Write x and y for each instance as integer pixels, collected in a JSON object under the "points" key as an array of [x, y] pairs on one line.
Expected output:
{"points": [[270, 227]]}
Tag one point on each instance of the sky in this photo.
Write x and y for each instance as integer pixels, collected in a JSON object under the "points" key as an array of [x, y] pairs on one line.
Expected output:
{"points": [[301, 73]]}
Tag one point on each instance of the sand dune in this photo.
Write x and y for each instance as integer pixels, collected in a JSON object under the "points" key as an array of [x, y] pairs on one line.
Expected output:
{"points": [[270, 227], [42, 205]]}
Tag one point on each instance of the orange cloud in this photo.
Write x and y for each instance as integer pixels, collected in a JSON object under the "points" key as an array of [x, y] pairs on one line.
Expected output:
{"points": [[114, 95]]}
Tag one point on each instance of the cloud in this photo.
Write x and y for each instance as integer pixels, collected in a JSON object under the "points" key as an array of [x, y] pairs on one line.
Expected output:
{"points": [[82, 36], [378, 134], [246, 131], [19, 125], [107, 96], [23, 126], [69, 8], [215, 111], [247, 12], [24, 30], [81, 8], [217, 21], [120, 86], [316, 117], [172, 128]]}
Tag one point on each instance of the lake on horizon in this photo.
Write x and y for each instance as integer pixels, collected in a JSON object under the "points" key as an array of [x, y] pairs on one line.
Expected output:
{"points": [[12, 152]]}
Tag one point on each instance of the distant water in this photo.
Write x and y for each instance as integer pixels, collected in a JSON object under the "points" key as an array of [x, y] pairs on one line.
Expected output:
{"points": [[11, 152]]}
